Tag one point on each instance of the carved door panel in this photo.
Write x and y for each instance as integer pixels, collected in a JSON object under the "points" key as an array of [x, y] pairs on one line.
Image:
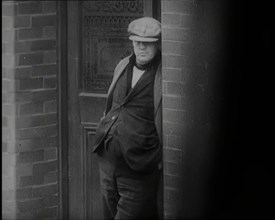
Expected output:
{"points": [[97, 40]]}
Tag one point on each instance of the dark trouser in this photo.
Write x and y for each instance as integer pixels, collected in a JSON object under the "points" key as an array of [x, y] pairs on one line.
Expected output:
{"points": [[125, 193]]}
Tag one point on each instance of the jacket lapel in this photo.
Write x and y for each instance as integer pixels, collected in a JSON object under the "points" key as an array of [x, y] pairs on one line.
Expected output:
{"points": [[140, 85], [117, 73], [157, 86]]}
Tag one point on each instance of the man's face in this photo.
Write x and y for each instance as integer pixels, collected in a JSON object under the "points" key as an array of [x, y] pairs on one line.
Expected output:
{"points": [[145, 51]]}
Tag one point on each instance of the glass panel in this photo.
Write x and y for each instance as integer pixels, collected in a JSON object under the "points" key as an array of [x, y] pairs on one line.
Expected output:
{"points": [[105, 39]]}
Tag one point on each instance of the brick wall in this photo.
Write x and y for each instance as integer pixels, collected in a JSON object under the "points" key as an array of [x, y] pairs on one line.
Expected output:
{"points": [[29, 110], [190, 48]]}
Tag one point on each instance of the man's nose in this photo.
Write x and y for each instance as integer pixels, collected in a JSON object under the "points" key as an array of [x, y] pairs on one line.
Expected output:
{"points": [[141, 45]]}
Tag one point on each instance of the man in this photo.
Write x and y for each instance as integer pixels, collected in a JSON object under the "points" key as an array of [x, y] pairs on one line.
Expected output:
{"points": [[129, 135]]}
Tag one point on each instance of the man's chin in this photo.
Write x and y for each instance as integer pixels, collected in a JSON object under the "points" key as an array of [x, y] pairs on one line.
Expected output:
{"points": [[143, 61]]}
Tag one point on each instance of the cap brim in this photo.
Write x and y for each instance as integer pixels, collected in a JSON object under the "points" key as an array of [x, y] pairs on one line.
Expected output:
{"points": [[143, 39]]}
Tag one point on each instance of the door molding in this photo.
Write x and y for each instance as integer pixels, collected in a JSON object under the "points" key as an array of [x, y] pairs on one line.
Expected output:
{"points": [[62, 110]]}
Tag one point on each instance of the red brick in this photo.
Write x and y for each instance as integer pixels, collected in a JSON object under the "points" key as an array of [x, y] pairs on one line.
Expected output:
{"points": [[9, 85], [7, 22], [28, 205], [172, 195], [8, 36], [41, 169], [174, 102], [4, 72], [174, 128], [22, 21], [175, 74], [172, 168], [49, 57], [172, 181], [36, 120], [9, 8], [50, 82], [8, 47], [7, 134], [187, 48], [10, 109], [22, 46], [170, 47], [4, 97], [8, 60], [50, 201], [4, 147], [4, 121], [34, 144], [33, 156], [171, 115], [22, 194], [176, 34], [50, 106], [27, 215], [43, 191], [175, 88], [49, 6], [17, 97], [43, 45], [8, 182], [8, 210], [44, 95], [26, 181], [9, 159], [24, 170], [45, 70], [20, 73], [8, 170], [48, 213], [37, 132], [175, 142], [30, 33], [169, 211], [5, 48], [30, 59], [173, 156], [49, 32], [29, 7], [173, 61], [44, 20], [171, 19], [8, 195], [180, 6], [50, 154], [30, 84], [31, 108], [187, 21], [50, 177]]}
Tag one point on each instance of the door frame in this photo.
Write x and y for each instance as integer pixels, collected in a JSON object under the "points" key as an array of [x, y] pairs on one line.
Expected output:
{"points": [[62, 100], [62, 110]]}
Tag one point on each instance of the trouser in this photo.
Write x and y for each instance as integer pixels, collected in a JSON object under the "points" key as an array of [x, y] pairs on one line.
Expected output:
{"points": [[126, 194]]}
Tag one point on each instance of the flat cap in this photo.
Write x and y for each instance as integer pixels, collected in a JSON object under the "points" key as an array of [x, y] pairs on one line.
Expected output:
{"points": [[144, 29]]}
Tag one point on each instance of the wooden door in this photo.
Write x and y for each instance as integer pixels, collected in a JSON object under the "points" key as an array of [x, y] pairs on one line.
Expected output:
{"points": [[96, 41]]}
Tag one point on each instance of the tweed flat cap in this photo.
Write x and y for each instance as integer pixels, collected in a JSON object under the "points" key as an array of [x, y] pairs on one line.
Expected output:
{"points": [[144, 29]]}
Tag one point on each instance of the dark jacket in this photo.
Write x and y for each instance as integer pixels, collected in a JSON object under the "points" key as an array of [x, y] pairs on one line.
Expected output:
{"points": [[106, 122]]}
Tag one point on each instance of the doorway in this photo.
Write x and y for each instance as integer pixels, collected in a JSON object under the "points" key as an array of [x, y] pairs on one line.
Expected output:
{"points": [[92, 37]]}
